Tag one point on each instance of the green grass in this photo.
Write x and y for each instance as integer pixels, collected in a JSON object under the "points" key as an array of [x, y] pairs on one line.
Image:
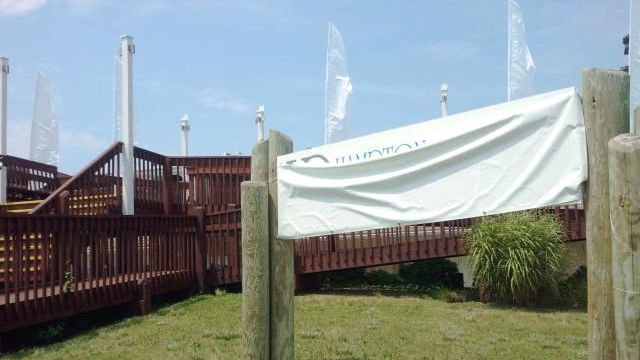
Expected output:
{"points": [[338, 326]]}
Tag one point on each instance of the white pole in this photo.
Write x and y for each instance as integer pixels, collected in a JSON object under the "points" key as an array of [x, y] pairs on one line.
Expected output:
{"points": [[260, 122], [185, 127], [508, 51], [127, 50], [4, 66], [444, 93]]}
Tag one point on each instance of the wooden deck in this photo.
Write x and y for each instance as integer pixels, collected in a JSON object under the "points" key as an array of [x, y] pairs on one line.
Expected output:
{"points": [[40, 304]]}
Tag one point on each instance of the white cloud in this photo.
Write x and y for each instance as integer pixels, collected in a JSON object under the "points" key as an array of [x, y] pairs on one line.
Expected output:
{"points": [[210, 98], [20, 7]]}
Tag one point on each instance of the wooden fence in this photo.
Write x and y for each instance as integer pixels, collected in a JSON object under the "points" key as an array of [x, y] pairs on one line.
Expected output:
{"points": [[28, 180], [55, 266], [406, 243], [163, 185], [213, 182]]}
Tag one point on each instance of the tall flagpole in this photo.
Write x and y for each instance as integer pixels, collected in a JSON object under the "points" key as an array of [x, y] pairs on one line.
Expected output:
{"points": [[4, 71], [127, 49]]}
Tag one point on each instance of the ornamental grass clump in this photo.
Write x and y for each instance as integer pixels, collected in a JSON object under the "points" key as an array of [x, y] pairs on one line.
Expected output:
{"points": [[516, 256]]}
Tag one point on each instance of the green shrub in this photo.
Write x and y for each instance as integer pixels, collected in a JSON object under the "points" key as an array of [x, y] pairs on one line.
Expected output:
{"points": [[516, 255], [573, 290], [432, 273], [382, 278]]}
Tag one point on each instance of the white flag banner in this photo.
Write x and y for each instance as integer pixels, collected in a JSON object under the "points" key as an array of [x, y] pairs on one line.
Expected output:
{"points": [[337, 90], [518, 155], [45, 141], [520, 62], [634, 62]]}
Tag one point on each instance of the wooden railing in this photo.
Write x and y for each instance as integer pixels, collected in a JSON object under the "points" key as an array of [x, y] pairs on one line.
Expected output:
{"points": [[163, 185], [223, 236], [151, 183], [405, 243], [213, 182], [54, 266], [95, 190], [28, 180]]}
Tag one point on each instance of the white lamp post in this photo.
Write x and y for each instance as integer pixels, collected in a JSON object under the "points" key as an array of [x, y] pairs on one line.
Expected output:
{"points": [[260, 122], [444, 93], [184, 131]]}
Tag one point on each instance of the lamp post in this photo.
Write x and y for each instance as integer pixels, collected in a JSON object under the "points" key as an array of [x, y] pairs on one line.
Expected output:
{"points": [[260, 122], [184, 130], [444, 93]]}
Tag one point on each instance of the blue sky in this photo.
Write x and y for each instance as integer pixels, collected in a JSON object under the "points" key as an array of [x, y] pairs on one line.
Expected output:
{"points": [[219, 60]]}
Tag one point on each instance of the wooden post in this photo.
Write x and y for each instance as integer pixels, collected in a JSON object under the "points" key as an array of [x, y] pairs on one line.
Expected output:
{"points": [[281, 261], [260, 161], [61, 205], [624, 203], [143, 305], [605, 95], [255, 270], [167, 180], [201, 251]]}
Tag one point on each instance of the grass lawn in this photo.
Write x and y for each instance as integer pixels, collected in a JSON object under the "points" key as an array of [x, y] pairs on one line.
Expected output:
{"points": [[338, 326]]}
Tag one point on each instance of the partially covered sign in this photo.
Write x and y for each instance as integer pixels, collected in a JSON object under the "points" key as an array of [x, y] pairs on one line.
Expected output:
{"points": [[524, 154]]}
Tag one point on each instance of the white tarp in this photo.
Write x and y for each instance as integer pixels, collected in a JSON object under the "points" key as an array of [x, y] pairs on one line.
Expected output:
{"points": [[337, 90], [521, 69], [634, 61], [513, 156], [45, 141]]}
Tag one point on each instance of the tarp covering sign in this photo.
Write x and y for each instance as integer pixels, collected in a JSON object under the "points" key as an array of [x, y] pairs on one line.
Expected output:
{"points": [[524, 154]]}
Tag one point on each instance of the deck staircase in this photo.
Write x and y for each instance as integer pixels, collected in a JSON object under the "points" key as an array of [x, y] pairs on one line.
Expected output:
{"points": [[19, 207]]}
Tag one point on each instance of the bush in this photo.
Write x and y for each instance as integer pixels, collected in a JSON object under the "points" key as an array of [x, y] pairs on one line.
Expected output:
{"points": [[573, 290], [516, 255], [432, 273]]}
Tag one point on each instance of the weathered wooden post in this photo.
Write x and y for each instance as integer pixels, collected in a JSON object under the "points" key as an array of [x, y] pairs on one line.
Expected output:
{"points": [[624, 189], [255, 256], [255, 270], [201, 250], [260, 161], [167, 191], [605, 97], [281, 260]]}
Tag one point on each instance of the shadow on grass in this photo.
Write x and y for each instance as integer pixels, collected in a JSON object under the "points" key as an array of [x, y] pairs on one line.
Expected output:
{"points": [[86, 325]]}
